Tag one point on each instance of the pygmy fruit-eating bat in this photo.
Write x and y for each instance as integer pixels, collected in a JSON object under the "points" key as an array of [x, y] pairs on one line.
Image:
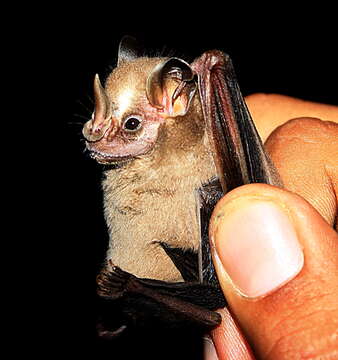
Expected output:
{"points": [[175, 137]]}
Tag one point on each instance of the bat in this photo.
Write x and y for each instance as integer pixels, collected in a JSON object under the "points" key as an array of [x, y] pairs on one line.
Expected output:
{"points": [[173, 138]]}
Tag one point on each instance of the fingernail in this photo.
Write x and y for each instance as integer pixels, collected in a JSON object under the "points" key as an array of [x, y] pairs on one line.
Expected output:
{"points": [[258, 247], [209, 350]]}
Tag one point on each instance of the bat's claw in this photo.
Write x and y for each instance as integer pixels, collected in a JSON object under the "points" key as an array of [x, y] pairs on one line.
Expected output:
{"points": [[113, 284], [109, 334]]}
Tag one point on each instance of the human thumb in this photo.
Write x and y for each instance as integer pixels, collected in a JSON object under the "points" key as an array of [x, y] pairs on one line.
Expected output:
{"points": [[277, 262]]}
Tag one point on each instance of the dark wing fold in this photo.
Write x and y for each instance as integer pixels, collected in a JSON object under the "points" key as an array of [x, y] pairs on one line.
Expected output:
{"points": [[185, 260], [238, 152], [208, 196]]}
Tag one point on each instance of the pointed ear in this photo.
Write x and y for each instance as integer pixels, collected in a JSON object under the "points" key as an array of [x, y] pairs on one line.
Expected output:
{"points": [[129, 49], [171, 86]]}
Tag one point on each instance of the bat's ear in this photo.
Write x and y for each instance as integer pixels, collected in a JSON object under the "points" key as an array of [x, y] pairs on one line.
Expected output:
{"points": [[171, 86], [129, 49]]}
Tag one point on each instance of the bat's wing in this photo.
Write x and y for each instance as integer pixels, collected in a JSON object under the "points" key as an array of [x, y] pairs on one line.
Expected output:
{"points": [[238, 152], [207, 197]]}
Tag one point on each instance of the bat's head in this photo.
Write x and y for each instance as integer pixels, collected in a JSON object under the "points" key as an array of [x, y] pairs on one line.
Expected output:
{"points": [[139, 96]]}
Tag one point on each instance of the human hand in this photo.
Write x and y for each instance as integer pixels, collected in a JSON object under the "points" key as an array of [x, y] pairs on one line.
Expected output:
{"points": [[276, 253]]}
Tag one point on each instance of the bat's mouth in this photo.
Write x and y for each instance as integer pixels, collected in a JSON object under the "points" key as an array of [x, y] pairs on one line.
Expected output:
{"points": [[105, 158]]}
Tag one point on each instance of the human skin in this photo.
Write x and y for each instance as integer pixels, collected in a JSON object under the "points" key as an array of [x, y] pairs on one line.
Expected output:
{"points": [[296, 318]]}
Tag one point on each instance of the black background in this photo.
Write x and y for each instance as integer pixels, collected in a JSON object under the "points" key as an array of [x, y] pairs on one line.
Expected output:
{"points": [[273, 51]]}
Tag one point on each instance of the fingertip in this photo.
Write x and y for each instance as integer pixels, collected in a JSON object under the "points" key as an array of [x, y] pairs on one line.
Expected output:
{"points": [[229, 341], [209, 349], [257, 247]]}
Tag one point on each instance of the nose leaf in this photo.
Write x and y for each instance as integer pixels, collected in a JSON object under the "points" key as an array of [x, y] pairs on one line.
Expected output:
{"points": [[95, 132], [95, 128]]}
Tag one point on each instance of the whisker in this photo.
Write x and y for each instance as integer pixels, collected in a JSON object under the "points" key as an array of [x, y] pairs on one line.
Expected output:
{"points": [[74, 123], [81, 116], [90, 99], [84, 106]]}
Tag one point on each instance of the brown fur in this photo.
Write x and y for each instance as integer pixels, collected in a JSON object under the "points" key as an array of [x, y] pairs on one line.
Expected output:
{"points": [[151, 199]]}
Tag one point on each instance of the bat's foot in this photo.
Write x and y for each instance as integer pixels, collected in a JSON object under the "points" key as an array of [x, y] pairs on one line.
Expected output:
{"points": [[114, 283], [126, 299]]}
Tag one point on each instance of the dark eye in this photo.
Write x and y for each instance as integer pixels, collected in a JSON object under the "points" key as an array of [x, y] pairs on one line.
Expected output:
{"points": [[132, 124]]}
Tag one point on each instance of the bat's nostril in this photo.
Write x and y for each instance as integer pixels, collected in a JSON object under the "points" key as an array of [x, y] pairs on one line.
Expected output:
{"points": [[92, 132], [96, 129]]}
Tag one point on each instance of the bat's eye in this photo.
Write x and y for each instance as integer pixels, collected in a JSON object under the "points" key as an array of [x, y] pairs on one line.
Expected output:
{"points": [[132, 124]]}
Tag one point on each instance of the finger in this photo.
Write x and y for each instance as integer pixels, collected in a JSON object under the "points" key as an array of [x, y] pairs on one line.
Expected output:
{"points": [[305, 153], [271, 110], [276, 260], [228, 342]]}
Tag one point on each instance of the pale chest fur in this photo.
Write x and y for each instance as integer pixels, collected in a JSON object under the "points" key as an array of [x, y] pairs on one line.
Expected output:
{"points": [[148, 204]]}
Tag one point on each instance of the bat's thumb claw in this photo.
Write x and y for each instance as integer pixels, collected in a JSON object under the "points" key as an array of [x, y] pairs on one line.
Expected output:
{"points": [[109, 334]]}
